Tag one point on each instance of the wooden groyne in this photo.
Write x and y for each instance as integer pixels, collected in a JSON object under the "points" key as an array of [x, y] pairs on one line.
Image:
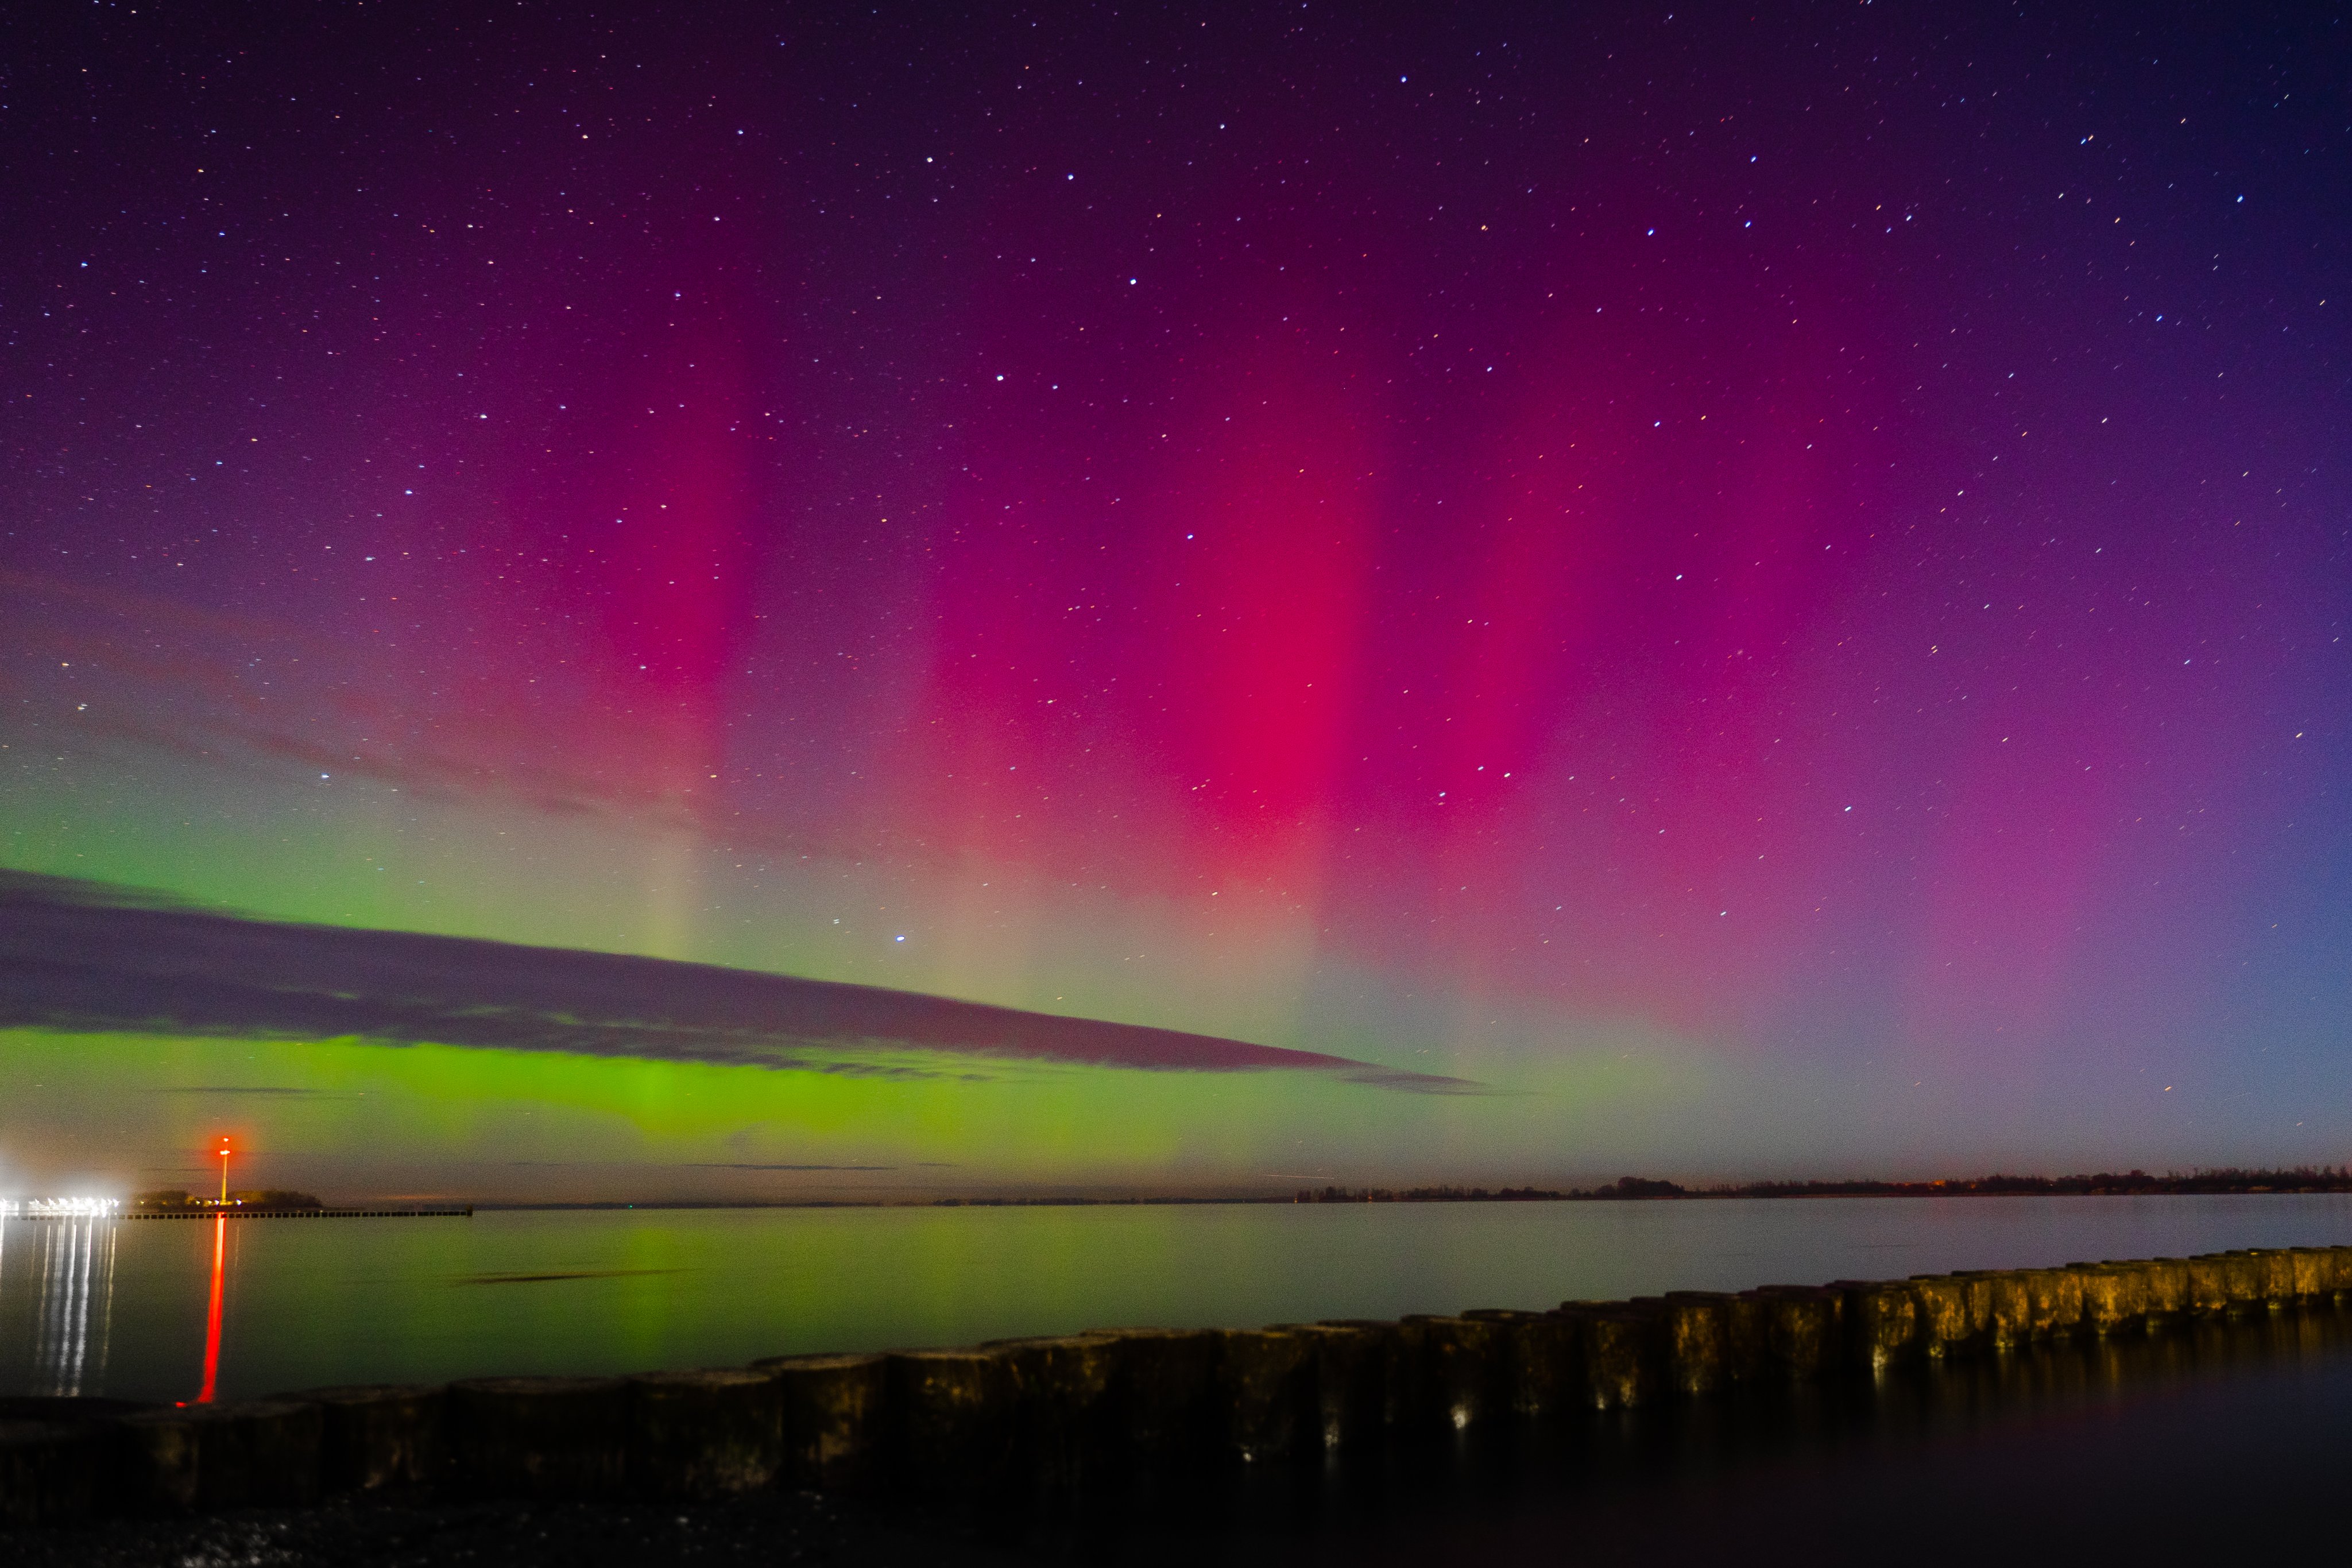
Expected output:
{"points": [[465, 1212], [1051, 1423]]}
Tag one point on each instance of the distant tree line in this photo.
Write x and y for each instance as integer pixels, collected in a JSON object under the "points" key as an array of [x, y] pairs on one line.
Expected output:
{"points": [[1434, 1194], [2104, 1183]]}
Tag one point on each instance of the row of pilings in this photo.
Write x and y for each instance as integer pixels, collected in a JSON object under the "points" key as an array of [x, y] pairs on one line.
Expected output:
{"points": [[1052, 1424]]}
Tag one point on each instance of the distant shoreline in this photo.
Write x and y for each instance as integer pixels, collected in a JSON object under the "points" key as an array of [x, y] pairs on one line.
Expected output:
{"points": [[2135, 1184], [2128, 1183], [1626, 1190]]}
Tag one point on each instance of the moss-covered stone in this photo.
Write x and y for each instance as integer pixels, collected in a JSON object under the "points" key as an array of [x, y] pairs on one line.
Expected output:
{"points": [[1695, 1329], [1805, 1327], [2208, 1283], [1621, 1351], [2114, 1297], [2169, 1293], [2245, 1280], [1882, 1322], [1948, 1326], [2056, 1302], [1748, 1339], [1469, 1367], [2277, 1268]]}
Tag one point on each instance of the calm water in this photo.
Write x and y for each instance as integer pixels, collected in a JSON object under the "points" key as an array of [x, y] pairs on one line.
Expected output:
{"points": [[185, 1310]]}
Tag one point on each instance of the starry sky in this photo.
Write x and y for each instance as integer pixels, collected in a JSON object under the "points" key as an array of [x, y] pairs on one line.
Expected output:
{"points": [[1768, 587]]}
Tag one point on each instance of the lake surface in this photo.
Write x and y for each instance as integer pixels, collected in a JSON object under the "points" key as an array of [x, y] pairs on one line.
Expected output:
{"points": [[190, 1309]]}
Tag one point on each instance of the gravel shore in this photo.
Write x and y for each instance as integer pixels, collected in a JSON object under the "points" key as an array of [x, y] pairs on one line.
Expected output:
{"points": [[772, 1530]]}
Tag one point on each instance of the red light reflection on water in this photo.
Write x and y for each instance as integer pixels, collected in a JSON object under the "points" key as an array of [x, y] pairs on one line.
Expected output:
{"points": [[213, 1312]]}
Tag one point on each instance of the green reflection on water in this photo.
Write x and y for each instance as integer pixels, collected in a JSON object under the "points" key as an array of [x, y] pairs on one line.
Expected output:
{"points": [[311, 1303]]}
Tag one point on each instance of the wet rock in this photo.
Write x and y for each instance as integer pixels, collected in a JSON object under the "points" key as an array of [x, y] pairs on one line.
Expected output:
{"points": [[1164, 1381], [2314, 1273], [1697, 1330], [1804, 1326], [1882, 1322], [539, 1437], [833, 1409], [2208, 1283], [705, 1434], [1265, 1388], [255, 1451], [1982, 1291], [2276, 1265], [955, 1415], [379, 1434], [278, 1441], [1409, 1410], [176, 1458], [1351, 1381], [1545, 1376], [2056, 1298], [1621, 1349], [2245, 1280], [1465, 1368], [1068, 1442], [2169, 1292], [1947, 1325], [2114, 1297], [49, 1472], [156, 1461], [1748, 1339], [2009, 1302]]}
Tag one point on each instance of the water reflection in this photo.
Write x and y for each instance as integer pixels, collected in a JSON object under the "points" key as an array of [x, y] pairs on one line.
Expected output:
{"points": [[212, 1310], [63, 1270], [602, 1291], [2136, 1447]]}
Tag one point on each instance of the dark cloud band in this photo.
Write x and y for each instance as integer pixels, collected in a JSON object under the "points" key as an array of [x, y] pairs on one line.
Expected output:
{"points": [[79, 956]]}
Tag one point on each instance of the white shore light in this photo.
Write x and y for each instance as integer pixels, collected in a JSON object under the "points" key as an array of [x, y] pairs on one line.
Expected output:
{"points": [[59, 1207]]}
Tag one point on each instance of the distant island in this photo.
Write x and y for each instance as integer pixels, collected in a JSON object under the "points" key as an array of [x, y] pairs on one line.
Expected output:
{"points": [[2106, 1184], [174, 1199]]}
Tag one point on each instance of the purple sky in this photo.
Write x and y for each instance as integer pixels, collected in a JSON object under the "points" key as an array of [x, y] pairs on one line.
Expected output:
{"points": [[1802, 554]]}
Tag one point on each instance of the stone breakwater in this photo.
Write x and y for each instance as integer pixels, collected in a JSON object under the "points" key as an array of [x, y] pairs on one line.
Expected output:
{"points": [[1053, 1423]]}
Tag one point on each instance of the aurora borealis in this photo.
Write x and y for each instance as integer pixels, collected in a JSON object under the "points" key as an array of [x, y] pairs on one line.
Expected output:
{"points": [[1769, 589]]}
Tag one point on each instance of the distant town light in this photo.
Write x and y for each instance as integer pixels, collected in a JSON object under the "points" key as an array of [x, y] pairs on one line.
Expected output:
{"points": [[58, 1207]]}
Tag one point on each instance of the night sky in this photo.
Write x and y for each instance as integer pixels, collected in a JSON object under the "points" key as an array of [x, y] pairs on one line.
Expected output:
{"points": [[1769, 589]]}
